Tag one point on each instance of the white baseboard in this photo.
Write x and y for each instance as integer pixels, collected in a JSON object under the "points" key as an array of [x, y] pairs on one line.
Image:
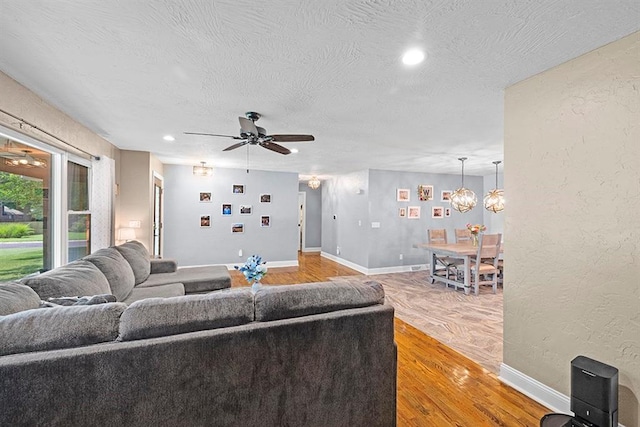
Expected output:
{"points": [[545, 395], [292, 263], [311, 249], [533, 388], [373, 271]]}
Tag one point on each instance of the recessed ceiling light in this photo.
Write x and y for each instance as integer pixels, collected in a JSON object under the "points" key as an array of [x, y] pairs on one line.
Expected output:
{"points": [[294, 150], [168, 138], [413, 57]]}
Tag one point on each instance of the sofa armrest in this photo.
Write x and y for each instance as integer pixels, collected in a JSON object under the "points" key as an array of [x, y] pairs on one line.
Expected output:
{"points": [[163, 266]]}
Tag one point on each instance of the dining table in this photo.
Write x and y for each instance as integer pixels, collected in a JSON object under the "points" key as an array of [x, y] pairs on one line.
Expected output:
{"points": [[463, 251]]}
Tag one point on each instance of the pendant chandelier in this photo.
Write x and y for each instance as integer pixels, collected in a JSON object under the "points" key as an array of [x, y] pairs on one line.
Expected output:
{"points": [[314, 183], [463, 199], [494, 199], [202, 170]]}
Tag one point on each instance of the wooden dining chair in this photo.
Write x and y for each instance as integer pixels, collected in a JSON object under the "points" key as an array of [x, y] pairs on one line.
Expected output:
{"points": [[439, 236], [462, 235], [485, 262]]}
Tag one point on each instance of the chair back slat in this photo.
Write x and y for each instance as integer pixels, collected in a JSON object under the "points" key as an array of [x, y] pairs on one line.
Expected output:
{"points": [[435, 236], [462, 235], [489, 246]]}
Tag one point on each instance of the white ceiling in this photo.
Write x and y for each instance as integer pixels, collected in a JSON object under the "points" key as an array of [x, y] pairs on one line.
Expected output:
{"points": [[135, 70]]}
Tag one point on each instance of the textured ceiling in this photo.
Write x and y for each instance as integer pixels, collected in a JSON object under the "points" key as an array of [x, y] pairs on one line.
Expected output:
{"points": [[134, 70]]}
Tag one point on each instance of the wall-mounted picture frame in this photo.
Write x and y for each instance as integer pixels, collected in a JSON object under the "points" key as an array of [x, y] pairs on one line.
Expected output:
{"points": [[238, 189], [265, 221], [265, 198], [237, 228], [445, 195], [447, 212], [226, 209], [402, 212], [413, 212], [205, 197], [403, 194], [246, 209], [437, 212], [205, 221], [425, 192]]}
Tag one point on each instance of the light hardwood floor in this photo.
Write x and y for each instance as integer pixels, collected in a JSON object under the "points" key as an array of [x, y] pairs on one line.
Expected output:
{"points": [[436, 385]]}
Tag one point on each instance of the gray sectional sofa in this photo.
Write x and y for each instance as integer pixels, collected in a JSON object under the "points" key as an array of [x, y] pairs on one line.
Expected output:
{"points": [[127, 272], [319, 354]]}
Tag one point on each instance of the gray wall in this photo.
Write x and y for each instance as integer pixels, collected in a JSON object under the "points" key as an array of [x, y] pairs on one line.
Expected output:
{"points": [[381, 247], [190, 244], [313, 227]]}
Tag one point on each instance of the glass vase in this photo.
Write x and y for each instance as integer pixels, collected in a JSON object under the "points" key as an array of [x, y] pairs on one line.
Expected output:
{"points": [[474, 239], [256, 285]]}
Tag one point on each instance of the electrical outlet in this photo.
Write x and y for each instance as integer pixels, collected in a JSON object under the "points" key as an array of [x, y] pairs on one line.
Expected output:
{"points": [[240, 252], [338, 250], [401, 256]]}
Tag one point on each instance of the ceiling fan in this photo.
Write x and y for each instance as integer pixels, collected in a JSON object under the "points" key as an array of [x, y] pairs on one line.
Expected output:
{"points": [[250, 134]]}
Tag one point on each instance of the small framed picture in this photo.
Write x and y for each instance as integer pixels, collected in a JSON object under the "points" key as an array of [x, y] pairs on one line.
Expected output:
{"points": [[437, 212], [445, 196], [447, 212], [238, 189], [402, 194], [265, 221], [425, 192], [402, 212], [226, 209], [265, 198], [205, 197], [246, 209], [413, 212], [205, 220], [237, 228]]}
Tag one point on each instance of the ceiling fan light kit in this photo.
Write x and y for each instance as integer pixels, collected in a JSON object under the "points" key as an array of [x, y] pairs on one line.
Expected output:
{"points": [[463, 199], [202, 170], [494, 199]]}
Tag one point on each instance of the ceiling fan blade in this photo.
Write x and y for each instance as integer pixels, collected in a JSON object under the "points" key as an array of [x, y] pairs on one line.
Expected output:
{"points": [[275, 147], [234, 146], [292, 138], [247, 126], [212, 134]]}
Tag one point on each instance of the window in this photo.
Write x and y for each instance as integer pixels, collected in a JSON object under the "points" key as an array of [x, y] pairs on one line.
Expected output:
{"points": [[79, 215], [37, 231], [25, 235]]}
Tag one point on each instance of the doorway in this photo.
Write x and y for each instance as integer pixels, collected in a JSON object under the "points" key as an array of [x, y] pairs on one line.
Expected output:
{"points": [[157, 215], [302, 203]]}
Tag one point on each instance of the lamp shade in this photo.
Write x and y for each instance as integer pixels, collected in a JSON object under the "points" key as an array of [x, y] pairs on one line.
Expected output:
{"points": [[494, 199], [126, 233], [463, 199]]}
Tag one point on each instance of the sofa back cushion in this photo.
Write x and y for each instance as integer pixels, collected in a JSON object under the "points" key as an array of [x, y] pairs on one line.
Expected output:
{"points": [[78, 278], [155, 317], [15, 297], [116, 269], [281, 302], [59, 327], [138, 258]]}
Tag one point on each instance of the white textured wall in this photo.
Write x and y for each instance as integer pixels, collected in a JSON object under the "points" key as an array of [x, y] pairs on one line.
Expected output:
{"points": [[572, 227]]}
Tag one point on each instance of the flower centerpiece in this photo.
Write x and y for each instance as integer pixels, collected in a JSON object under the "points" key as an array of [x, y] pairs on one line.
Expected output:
{"points": [[253, 270], [475, 229]]}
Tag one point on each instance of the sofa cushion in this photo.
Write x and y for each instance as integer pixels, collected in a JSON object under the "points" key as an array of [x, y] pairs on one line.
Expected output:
{"points": [[138, 258], [59, 327], [281, 302], [195, 279], [155, 317], [77, 278], [116, 269], [160, 291], [15, 297]]}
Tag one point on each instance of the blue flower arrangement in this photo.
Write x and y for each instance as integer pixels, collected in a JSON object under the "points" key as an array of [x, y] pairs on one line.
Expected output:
{"points": [[254, 269]]}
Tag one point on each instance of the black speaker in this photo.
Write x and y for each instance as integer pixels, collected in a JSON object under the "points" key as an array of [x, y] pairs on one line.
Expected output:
{"points": [[594, 392]]}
